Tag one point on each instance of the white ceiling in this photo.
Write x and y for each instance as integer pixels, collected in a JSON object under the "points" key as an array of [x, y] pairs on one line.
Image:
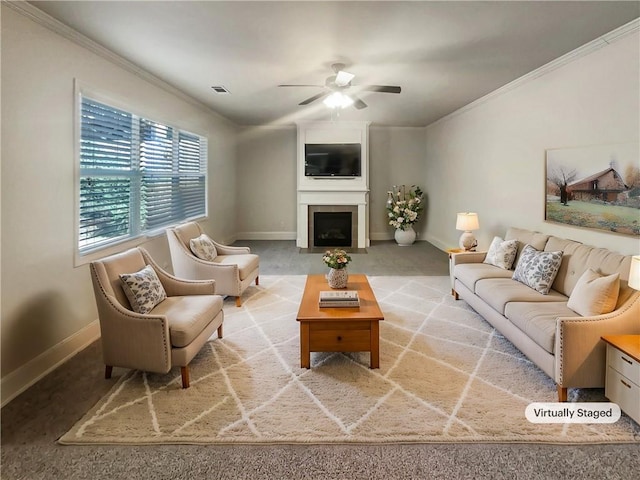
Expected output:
{"points": [[443, 54]]}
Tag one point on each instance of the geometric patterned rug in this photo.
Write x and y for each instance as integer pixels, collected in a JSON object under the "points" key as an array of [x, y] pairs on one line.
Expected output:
{"points": [[445, 375]]}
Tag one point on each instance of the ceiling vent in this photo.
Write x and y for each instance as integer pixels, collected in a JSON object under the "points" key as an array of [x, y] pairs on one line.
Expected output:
{"points": [[220, 90]]}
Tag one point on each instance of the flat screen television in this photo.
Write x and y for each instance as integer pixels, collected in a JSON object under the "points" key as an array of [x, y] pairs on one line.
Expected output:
{"points": [[332, 160]]}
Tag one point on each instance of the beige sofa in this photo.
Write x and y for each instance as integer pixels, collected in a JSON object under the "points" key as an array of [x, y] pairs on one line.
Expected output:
{"points": [[565, 345]]}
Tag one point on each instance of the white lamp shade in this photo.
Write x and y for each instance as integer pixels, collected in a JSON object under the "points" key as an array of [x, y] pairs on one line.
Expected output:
{"points": [[634, 273], [338, 100], [467, 222]]}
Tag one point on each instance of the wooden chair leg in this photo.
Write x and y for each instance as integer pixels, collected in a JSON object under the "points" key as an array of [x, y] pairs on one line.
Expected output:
{"points": [[562, 394], [258, 280], [107, 371], [185, 376], [238, 301], [220, 331]]}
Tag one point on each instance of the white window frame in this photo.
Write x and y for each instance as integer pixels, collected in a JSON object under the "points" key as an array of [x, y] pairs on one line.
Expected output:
{"points": [[137, 236]]}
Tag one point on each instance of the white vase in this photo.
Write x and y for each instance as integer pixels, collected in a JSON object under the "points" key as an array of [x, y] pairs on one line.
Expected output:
{"points": [[404, 238], [337, 277]]}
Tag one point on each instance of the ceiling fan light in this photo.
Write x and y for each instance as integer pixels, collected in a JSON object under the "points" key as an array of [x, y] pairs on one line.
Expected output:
{"points": [[338, 100]]}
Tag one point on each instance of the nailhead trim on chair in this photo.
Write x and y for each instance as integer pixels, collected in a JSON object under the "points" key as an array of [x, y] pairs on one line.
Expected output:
{"points": [[159, 317]]}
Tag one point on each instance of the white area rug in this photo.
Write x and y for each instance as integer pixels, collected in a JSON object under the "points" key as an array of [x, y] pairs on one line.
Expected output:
{"points": [[445, 376]]}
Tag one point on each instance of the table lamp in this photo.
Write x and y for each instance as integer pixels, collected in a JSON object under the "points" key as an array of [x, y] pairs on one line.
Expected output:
{"points": [[467, 221]]}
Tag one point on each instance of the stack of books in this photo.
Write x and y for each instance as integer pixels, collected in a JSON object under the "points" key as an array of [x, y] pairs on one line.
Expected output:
{"points": [[339, 298]]}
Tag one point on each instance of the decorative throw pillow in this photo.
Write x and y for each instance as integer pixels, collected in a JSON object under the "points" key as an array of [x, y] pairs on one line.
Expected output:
{"points": [[502, 253], [203, 248], [143, 289], [595, 294], [537, 269]]}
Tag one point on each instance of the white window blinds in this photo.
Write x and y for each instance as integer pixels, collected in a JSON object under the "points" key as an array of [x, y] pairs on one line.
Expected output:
{"points": [[136, 176]]}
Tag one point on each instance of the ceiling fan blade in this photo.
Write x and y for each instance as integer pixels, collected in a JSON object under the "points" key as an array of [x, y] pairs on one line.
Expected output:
{"points": [[343, 78], [302, 85], [314, 98], [381, 88], [357, 103]]}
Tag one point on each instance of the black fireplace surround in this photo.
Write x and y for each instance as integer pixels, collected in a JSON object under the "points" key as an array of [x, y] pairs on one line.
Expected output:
{"points": [[332, 229]]}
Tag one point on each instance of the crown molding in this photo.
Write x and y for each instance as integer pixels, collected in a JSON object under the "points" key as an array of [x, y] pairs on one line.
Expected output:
{"points": [[622, 31], [56, 26], [565, 59], [40, 17]]}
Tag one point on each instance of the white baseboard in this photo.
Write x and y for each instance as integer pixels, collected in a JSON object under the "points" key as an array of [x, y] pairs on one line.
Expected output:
{"points": [[381, 236], [436, 242], [28, 374], [376, 236], [266, 235]]}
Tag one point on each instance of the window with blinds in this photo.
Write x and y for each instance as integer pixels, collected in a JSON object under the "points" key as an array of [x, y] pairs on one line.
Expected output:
{"points": [[136, 176]]}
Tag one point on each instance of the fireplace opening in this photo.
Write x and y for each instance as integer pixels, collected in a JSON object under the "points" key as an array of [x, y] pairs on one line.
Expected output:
{"points": [[332, 229], [332, 226]]}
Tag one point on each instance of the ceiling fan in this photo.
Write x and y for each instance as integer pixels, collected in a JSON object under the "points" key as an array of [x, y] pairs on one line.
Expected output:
{"points": [[336, 86]]}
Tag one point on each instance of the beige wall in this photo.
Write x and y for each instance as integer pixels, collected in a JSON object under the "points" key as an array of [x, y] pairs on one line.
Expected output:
{"points": [[46, 300], [266, 183], [490, 158], [267, 178], [397, 157]]}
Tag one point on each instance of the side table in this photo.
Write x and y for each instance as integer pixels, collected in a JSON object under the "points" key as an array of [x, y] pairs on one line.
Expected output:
{"points": [[451, 252], [622, 381]]}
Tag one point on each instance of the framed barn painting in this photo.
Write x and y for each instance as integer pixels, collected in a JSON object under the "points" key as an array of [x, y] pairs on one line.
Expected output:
{"points": [[595, 187]]}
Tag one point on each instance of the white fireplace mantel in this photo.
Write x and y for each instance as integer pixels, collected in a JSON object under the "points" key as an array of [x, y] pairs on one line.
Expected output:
{"points": [[333, 191], [314, 198]]}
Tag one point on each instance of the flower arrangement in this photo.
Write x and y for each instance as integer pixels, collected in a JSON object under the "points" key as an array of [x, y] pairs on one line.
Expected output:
{"points": [[404, 207], [336, 258]]}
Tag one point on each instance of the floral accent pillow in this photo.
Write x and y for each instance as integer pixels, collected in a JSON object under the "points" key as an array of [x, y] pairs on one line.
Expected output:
{"points": [[203, 248], [537, 269], [595, 294], [143, 289], [502, 253]]}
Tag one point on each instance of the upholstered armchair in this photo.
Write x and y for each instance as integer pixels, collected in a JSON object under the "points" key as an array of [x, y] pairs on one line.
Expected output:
{"points": [[178, 318], [233, 268]]}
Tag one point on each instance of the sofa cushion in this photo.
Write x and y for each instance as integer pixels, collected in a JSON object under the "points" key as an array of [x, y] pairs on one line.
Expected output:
{"points": [[537, 269], [578, 258], [188, 316], [526, 237], [470, 273], [502, 253], [498, 292], [143, 289], [595, 294], [538, 320], [247, 262], [574, 261], [203, 248]]}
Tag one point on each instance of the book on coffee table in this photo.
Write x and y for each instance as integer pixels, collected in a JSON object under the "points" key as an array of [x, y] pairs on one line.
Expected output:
{"points": [[339, 298]]}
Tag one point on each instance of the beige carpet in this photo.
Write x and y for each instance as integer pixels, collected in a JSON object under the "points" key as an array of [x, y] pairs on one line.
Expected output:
{"points": [[446, 376]]}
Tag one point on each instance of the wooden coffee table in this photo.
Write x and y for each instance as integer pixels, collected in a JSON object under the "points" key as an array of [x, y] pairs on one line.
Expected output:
{"points": [[341, 329]]}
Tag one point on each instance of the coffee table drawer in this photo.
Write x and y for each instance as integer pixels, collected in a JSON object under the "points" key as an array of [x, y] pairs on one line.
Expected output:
{"points": [[340, 341]]}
